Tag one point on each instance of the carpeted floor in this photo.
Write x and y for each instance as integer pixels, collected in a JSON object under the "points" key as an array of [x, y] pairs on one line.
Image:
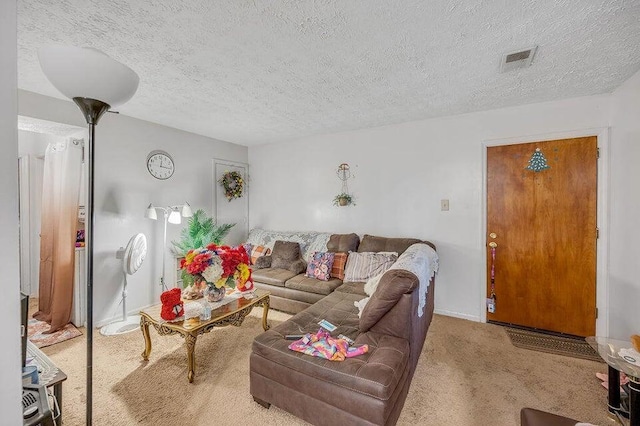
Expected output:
{"points": [[468, 374]]}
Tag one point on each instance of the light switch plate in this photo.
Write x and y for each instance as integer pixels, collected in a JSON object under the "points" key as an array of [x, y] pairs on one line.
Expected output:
{"points": [[444, 205]]}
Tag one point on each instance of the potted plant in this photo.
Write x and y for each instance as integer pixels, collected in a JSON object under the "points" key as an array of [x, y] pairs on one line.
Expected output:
{"points": [[343, 199], [200, 231]]}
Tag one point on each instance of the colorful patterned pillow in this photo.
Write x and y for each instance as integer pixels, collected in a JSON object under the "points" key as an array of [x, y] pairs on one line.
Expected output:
{"points": [[362, 266], [247, 248], [320, 265], [259, 251], [339, 262]]}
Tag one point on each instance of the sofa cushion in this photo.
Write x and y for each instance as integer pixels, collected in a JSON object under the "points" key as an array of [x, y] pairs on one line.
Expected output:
{"points": [[339, 262], [362, 266], [352, 288], [272, 276], [391, 287], [376, 373], [343, 243], [376, 244], [312, 285], [285, 254]]}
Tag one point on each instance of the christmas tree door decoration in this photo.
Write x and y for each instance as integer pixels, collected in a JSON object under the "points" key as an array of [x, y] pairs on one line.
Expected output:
{"points": [[537, 163]]}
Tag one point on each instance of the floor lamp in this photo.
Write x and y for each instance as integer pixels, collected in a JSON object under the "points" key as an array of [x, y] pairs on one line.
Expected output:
{"points": [[96, 83], [172, 214]]}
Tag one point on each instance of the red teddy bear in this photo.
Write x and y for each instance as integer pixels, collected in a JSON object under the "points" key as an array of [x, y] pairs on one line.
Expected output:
{"points": [[172, 306]]}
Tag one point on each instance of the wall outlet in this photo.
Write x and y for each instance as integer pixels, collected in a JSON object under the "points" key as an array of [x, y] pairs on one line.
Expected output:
{"points": [[444, 205]]}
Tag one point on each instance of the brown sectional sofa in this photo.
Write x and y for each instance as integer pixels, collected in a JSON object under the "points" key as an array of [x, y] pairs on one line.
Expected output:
{"points": [[369, 389], [292, 292]]}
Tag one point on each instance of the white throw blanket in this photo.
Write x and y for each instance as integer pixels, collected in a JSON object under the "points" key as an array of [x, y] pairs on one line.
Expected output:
{"points": [[422, 260]]}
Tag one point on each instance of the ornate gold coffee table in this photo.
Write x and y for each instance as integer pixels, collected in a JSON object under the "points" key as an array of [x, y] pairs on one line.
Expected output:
{"points": [[232, 313]]}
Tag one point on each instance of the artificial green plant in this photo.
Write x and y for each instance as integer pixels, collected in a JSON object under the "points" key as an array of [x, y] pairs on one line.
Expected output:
{"points": [[200, 231]]}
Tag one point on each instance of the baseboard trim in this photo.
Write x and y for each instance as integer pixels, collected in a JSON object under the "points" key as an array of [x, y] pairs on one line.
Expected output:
{"points": [[106, 321], [447, 313]]}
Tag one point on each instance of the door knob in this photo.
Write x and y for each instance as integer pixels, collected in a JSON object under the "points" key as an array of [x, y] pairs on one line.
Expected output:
{"points": [[492, 235], [493, 244]]}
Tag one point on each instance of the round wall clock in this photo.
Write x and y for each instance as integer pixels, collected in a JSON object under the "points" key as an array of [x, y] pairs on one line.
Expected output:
{"points": [[160, 164]]}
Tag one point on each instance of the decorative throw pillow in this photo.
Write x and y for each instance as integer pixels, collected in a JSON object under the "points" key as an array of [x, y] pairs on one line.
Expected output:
{"points": [[362, 266], [285, 254], [320, 265], [339, 262], [247, 248], [258, 251]]}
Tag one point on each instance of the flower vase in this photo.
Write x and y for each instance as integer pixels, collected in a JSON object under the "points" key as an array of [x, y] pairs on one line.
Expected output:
{"points": [[215, 294]]}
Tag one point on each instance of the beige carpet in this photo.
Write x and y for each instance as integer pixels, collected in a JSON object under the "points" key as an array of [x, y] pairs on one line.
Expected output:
{"points": [[468, 374]]}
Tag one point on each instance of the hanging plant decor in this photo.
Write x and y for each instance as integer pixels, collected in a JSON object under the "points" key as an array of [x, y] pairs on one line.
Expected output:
{"points": [[344, 198], [233, 185]]}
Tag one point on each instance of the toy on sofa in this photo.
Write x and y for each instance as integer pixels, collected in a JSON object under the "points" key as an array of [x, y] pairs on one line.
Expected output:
{"points": [[172, 306]]}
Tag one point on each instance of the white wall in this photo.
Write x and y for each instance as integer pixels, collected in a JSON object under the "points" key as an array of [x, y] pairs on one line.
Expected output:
{"points": [[10, 373], [401, 174], [624, 267], [32, 143], [124, 189]]}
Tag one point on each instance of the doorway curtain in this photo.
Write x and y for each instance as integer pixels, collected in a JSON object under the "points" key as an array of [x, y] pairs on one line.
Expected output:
{"points": [[60, 194]]}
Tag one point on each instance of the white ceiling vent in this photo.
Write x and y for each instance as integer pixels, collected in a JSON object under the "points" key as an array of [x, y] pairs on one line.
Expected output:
{"points": [[517, 59]]}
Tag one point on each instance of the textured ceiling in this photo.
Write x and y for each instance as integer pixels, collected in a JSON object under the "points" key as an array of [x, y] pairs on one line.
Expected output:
{"points": [[36, 125], [257, 71]]}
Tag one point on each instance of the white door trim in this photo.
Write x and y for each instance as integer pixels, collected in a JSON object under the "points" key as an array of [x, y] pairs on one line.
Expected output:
{"points": [[25, 224], [602, 247]]}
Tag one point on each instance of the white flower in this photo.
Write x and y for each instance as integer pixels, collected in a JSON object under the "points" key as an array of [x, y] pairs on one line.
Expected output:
{"points": [[214, 271]]}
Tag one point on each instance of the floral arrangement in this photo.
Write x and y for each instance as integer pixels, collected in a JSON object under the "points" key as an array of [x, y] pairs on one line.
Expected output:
{"points": [[219, 266], [233, 185]]}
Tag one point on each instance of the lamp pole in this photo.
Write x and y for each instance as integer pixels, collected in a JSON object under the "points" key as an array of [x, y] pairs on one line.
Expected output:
{"points": [[184, 211], [92, 110], [164, 249], [96, 83]]}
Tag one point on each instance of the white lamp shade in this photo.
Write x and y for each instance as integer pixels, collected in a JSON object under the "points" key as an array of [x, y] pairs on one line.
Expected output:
{"points": [[88, 73], [174, 217], [151, 213], [186, 210]]}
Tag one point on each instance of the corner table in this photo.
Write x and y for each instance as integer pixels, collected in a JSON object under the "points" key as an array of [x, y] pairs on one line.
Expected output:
{"points": [[609, 350], [230, 311]]}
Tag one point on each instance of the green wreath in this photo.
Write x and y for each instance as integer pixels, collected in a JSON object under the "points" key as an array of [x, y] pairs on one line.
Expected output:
{"points": [[233, 185]]}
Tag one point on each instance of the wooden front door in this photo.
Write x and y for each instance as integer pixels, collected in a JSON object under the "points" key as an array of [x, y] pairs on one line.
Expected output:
{"points": [[541, 206]]}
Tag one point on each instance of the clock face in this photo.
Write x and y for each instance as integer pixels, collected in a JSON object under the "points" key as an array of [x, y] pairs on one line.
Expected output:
{"points": [[160, 165]]}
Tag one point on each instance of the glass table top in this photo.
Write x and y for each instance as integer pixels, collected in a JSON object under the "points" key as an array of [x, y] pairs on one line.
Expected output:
{"points": [[619, 354]]}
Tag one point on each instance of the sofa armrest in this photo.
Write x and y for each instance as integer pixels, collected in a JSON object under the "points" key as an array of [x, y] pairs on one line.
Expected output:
{"points": [[394, 322], [262, 262], [299, 266]]}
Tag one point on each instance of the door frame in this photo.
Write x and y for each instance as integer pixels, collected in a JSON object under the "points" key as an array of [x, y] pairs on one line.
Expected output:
{"points": [[24, 209], [602, 213], [216, 187]]}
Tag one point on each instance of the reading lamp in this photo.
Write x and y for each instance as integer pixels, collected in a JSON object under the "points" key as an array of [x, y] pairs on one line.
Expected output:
{"points": [[172, 214], [96, 83]]}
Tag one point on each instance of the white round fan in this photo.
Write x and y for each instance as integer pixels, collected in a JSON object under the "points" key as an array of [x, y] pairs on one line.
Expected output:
{"points": [[132, 257]]}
